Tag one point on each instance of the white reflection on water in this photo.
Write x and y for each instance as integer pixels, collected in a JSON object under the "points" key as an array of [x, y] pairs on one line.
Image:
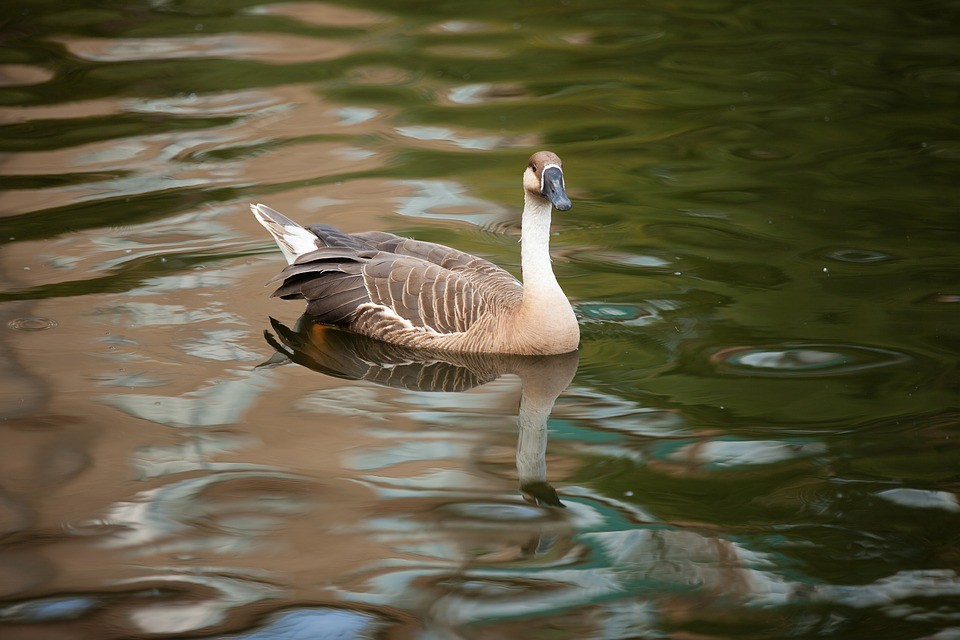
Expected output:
{"points": [[222, 401], [167, 517], [146, 314], [442, 133], [630, 619], [446, 200], [200, 278], [198, 453], [370, 459], [487, 92], [221, 344], [198, 613], [633, 315], [345, 401], [276, 48], [611, 412], [130, 380], [238, 103], [444, 483], [888, 593], [593, 510], [355, 115], [187, 233], [727, 452], [922, 499]]}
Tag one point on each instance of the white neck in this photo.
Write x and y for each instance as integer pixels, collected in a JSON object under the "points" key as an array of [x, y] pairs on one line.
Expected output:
{"points": [[546, 322], [538, 279], [532, 440]]}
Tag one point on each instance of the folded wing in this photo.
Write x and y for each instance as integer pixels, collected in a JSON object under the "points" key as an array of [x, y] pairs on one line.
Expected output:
{"points": [[417, 282]]}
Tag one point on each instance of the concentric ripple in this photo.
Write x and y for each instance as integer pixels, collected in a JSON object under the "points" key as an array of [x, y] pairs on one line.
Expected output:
{"points": [[32, 323], [803, 359]]}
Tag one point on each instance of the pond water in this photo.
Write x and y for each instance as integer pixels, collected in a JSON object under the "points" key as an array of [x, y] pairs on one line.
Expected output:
{"points": [[758, 437]]}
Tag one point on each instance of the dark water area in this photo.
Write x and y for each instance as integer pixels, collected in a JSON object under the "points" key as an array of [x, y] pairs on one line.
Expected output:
{"points": [[758, 437]]}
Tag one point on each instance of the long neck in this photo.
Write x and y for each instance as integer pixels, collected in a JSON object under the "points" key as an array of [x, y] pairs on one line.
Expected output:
{"points": [[538, 279]]}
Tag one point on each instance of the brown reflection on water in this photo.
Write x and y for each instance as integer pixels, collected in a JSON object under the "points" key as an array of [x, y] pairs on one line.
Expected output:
{"points": [[324, 14], [177, 483], [18, 75], [76, 109], [291, 116]]}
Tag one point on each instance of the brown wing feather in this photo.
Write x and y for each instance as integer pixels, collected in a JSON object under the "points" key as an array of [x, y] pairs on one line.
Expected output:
{"points": [[491, 280], [423, 293], [337, 281]]}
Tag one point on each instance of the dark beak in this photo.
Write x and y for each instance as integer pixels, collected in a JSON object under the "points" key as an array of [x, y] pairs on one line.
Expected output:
{"points": [[553, 190]]}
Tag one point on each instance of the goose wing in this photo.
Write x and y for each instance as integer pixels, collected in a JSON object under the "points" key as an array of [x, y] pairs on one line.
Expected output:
{"points": [[338, 281], [488, 276]]}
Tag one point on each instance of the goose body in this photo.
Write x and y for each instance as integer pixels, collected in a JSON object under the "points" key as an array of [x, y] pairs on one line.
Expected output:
{"points": [[429, 296]]}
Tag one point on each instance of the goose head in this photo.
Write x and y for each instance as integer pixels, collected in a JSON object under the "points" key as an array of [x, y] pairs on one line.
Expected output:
{"points": [[543, 180]]}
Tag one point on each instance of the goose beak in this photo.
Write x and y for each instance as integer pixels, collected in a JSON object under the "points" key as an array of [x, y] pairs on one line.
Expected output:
{"points": [[551, 188]]}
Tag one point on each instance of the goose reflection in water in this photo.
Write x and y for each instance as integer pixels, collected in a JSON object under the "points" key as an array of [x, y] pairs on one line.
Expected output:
{"points": [[343, 354]]}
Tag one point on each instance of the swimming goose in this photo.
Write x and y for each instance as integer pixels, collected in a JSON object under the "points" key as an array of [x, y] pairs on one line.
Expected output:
{"points": [[429, 296]]}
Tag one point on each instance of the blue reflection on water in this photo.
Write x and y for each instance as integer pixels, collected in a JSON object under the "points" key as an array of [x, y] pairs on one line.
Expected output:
{"points": [[315, 624]]}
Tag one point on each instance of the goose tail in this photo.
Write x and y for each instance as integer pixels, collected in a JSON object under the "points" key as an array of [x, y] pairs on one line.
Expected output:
{"points": [[292, 239]]}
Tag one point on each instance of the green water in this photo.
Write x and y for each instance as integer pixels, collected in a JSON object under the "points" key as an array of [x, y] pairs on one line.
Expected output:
{"points": [[761, 437]]}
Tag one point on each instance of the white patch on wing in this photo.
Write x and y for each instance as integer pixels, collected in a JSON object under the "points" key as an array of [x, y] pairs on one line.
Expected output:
{"points": [[299, 239], [393, 316], [292, 239]]}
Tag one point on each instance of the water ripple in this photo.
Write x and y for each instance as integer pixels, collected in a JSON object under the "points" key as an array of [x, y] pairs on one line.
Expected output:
{"points": [[33, 324], [221, 590], [480, 513], [273, 48], [803, 360], [626, 314], [741, 141], [860, 256]]}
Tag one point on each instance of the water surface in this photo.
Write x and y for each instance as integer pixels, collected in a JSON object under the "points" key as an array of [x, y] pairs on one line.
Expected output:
{"points": [[759, 439]]}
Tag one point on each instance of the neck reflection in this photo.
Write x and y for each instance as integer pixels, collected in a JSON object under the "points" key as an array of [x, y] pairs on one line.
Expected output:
{"points": [[345, 355]]}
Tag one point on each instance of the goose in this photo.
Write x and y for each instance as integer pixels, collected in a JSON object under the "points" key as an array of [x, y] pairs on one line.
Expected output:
{"points": [[429, 296]]}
